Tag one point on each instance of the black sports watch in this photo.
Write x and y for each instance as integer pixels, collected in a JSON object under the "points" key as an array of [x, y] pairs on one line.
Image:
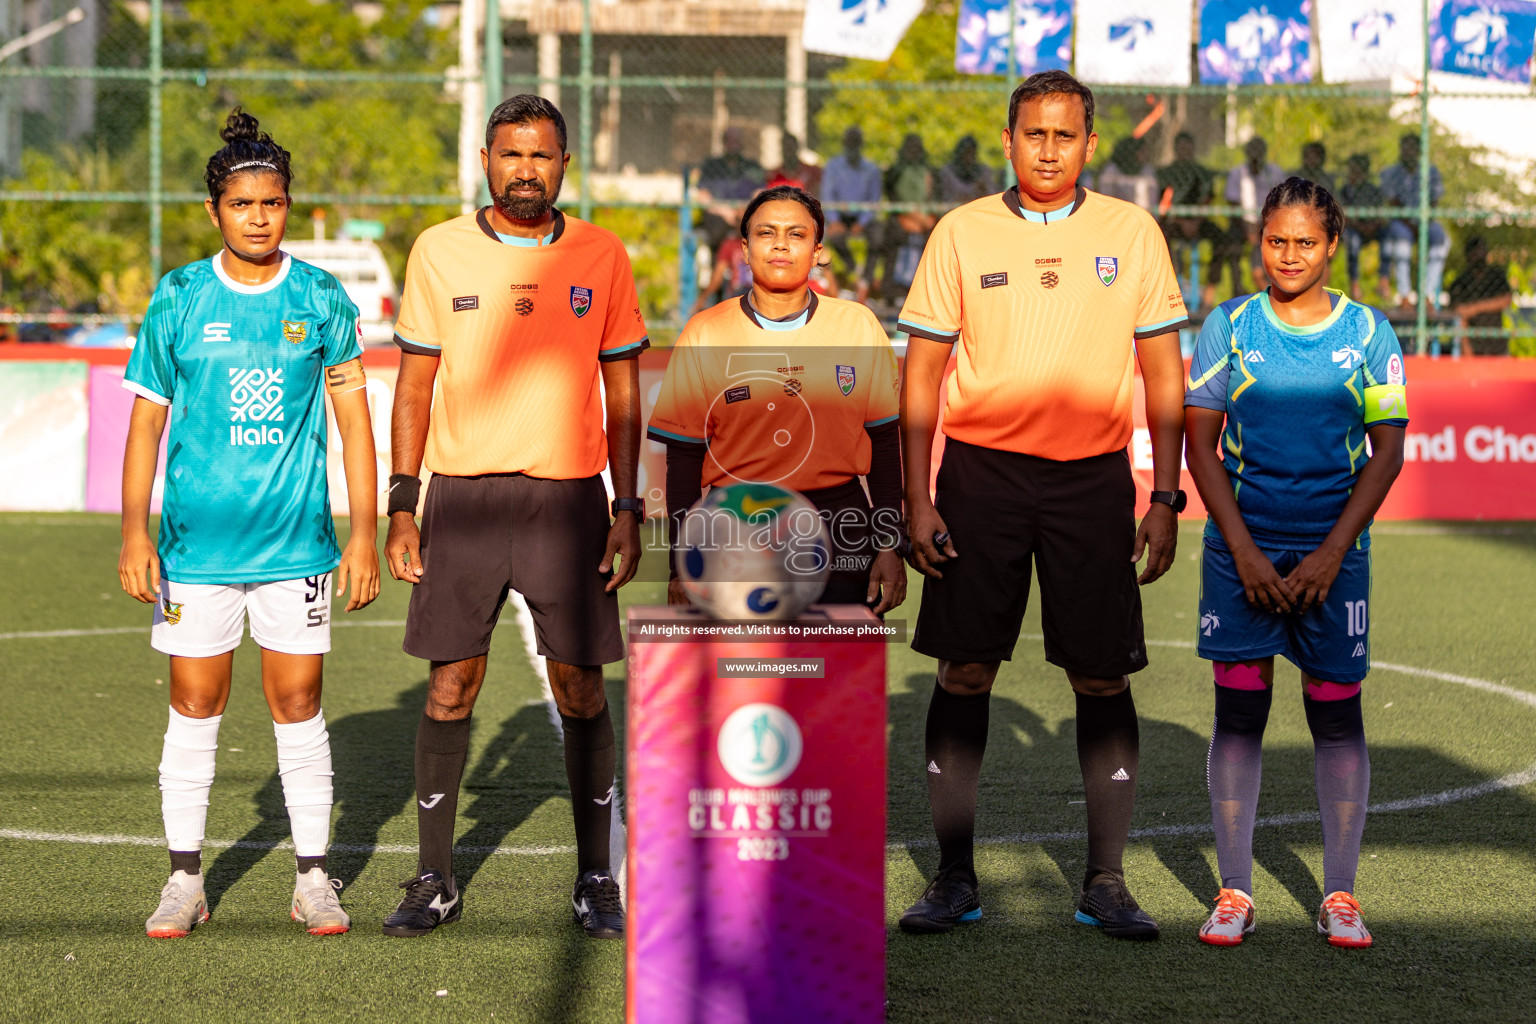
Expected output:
{"points": [[1175, 500], [635, 505]]}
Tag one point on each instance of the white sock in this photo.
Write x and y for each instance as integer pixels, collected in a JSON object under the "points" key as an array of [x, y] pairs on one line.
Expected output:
{"points": [[304, 763], [186, 775]]}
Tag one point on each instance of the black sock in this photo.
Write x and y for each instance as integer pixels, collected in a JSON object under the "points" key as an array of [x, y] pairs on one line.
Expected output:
{"points": [[590, 760], [956, 741], [1108, 745], [441, 750], [190, 861], [308, 864]]}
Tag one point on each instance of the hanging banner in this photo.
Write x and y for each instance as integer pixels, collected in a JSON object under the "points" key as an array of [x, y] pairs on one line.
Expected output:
{"points": [[1134, 42], [865, 29], [1371, 40], [1487, 38], [1042, 36], [1248, 43]]}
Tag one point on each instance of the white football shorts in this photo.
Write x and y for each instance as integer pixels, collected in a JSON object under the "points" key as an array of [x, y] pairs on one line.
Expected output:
{"points": [[200, 620]]}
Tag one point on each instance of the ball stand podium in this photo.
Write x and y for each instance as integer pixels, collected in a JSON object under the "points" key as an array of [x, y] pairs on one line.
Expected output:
{"points": [[756, 817]]}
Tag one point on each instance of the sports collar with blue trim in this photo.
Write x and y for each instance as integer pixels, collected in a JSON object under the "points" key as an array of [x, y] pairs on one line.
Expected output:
{"points": [[483, 218], [1011, 200], [788, 323]]}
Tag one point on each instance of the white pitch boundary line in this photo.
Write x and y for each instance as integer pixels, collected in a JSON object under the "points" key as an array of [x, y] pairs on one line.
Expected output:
{"points": [[53, 634], [617, 847]]}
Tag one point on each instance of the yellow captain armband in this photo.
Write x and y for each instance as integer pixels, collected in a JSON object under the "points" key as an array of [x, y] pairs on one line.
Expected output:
{"points": [[347, 376], [1385, 402]]}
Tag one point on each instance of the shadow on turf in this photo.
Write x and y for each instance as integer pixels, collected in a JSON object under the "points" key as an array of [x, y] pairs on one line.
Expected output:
{"points": [[1030, 782]]}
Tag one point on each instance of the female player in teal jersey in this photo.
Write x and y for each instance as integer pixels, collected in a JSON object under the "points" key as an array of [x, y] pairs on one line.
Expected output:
{"points": [[236, 352], [1288, 384]]}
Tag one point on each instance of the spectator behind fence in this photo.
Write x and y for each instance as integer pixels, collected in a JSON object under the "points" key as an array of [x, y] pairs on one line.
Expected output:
{"points": [[1479, 296], [792, 170], [965, 177], [726, 182], [1314, 158], [1247, 186], [1400, 186], [1187, 182], [849, 178], [909, 180], [1359, 190], [1128, 176], [730, 276]]}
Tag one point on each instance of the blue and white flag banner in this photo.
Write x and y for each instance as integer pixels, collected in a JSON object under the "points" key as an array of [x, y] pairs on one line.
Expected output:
{"points": [[1371, 40], [1042, 36], [1243, 42], [1488, 38], [1134, 42], [865, 29]]}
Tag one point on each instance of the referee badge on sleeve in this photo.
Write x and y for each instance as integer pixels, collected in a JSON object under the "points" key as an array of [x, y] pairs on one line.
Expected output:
{"points": [[581, 301], [845, 379], [1108, 268]]}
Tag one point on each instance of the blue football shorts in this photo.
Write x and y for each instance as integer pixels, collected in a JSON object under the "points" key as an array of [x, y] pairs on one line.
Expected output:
{"points": [[1329, 642]]}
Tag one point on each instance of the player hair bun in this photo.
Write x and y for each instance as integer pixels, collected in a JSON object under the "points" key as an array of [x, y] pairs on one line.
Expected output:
{"points": [[242, 127]]}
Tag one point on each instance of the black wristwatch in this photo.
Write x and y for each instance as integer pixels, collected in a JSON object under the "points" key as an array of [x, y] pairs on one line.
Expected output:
{"points": [[635, 505], [1175, 500]]}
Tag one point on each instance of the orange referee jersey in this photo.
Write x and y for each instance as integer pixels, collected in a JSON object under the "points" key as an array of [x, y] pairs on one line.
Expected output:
{"points": [[520, 325], [1045, 307], [779, 402]]}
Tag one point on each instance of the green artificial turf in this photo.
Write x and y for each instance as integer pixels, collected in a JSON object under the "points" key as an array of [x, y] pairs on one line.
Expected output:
{"points": [[1447, 888]]}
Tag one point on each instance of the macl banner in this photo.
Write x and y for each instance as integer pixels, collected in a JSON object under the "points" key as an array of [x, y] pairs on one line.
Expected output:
{"points": [[865, 29], [1247, 43], [1133, 42], [1042, 36], [1371, 40], [1487, 38]]}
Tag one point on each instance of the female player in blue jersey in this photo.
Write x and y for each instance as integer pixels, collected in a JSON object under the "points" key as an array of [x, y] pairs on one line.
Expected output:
{"points": [[1288, 384], [237, 353]]}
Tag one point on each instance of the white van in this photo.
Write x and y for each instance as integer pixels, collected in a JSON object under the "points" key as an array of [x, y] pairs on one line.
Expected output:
{"points": [[362, 270]]}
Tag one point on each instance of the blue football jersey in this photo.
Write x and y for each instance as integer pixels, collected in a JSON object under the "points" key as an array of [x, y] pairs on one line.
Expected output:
{"points": [[243, 369], [1298, 402]]}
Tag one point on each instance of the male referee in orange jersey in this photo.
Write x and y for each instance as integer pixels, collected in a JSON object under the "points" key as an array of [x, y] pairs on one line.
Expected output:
{"points": [[517, 313], [1043, 288]]}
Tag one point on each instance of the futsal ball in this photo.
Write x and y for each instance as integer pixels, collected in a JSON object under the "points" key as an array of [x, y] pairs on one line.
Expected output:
{"points": [[753, 551]]}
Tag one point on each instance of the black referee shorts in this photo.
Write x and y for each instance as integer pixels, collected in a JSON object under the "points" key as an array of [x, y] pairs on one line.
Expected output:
{"points": [[482, 536], [1075, 521], [846, 510]]}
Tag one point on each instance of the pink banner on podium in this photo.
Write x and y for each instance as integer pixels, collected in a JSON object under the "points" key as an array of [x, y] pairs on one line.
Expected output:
{"points": [[756, 777]]}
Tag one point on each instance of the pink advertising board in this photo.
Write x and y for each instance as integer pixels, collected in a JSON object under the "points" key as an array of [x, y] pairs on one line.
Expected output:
{"points": [[756, 816]]}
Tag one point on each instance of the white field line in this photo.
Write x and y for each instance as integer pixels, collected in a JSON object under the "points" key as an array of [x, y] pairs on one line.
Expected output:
{"points": [[525, 623], [53, 634]]}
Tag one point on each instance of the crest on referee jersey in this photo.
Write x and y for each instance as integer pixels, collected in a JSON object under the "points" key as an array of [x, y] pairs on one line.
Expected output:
{"points": [[845, 379], [1108, 268], [295, 330], [581, 301]]}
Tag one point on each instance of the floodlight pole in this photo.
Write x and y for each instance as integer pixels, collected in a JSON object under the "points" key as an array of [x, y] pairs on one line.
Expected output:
{"points": [[584, 152], [1422, 312]]}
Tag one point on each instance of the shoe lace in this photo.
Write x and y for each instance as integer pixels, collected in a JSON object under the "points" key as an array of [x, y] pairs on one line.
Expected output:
{"points": [[170, 897], [947, 890], [326, 896], [1343, 910], [1230, 908], [603, 897], [420, 891]]}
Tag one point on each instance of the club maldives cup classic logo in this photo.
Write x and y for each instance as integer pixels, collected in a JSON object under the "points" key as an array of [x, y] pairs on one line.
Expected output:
{"points": [[581, 301], [760, 744], [1108, 268]]}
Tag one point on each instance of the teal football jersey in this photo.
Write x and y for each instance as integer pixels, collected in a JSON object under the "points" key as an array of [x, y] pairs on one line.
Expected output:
{"points": [[242, 368], [1298, 402]]}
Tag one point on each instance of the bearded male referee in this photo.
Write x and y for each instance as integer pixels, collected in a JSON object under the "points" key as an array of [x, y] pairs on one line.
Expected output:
{"points": [[1043, 288], [514, 312]]}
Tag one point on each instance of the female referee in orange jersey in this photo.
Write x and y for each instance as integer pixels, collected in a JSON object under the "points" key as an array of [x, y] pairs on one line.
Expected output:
{"points": [[786, 387]]}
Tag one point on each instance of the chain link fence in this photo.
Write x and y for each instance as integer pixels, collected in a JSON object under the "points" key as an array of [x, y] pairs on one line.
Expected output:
{"points": [[678, 110]]}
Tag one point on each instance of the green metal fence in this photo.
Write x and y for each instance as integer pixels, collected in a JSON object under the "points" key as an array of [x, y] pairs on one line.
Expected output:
{"points": [[379, 105]]}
